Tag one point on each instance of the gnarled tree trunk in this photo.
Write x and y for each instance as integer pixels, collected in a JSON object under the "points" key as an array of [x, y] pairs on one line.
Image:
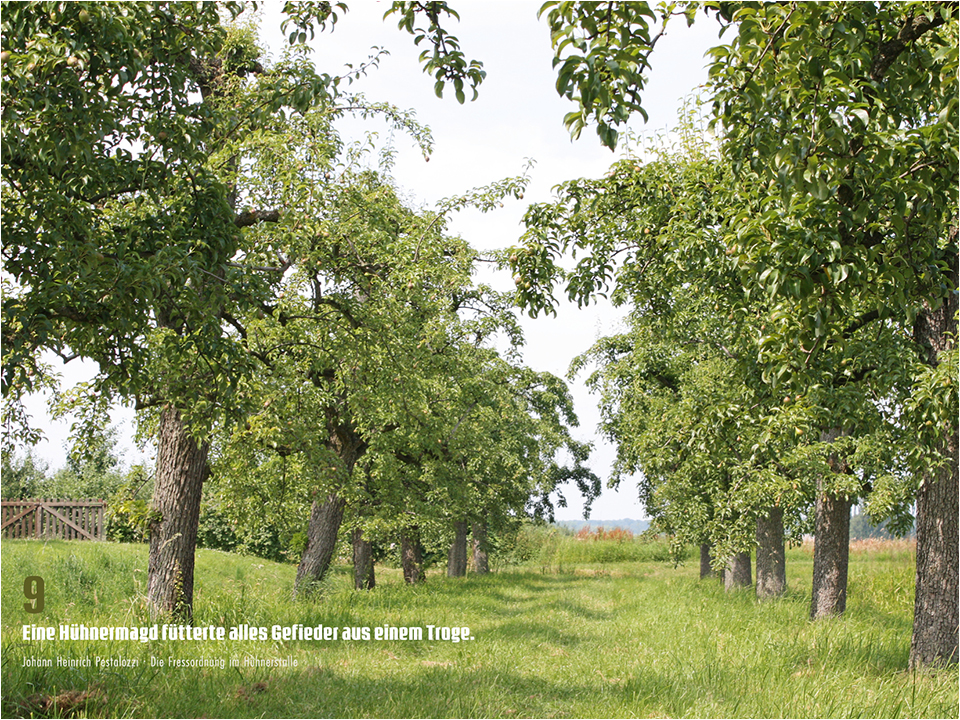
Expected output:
{"points": [[831, 550], [363, 577], [326, 517], [457, 557], [738, 573], [935, 615], [181, 471], [322, 531], [481, 561], [771, 555], [411, 556]]}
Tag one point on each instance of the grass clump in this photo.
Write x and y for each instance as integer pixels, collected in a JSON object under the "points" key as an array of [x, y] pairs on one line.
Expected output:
{"points": [[639, 638]]}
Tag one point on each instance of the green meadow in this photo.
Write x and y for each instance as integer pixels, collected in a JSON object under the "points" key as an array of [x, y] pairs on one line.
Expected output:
{"points": [[576, 631]]}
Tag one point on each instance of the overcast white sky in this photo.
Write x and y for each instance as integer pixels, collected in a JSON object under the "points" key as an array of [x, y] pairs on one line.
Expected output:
{"points": [[517, 116]]}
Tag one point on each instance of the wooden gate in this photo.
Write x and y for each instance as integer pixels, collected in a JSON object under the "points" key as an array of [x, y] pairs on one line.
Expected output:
{"points": [[53, 519]]}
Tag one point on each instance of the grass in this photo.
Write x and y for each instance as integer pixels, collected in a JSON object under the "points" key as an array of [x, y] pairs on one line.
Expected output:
{"points": [[588, 639]]}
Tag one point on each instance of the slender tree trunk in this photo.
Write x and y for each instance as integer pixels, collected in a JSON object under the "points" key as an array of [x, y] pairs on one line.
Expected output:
{"points": [[457, 557], [831, 550], [363, 577], [322, 531], [771, 555], [411, 556], [738, 573], [935, 615], [181, 471], [706, 562], [481, 561]]}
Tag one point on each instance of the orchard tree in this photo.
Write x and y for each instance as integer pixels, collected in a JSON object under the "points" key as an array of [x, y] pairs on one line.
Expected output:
{"points": [[651, 234], [845, 115], [118, 233], [123, 241], [359, 333]]}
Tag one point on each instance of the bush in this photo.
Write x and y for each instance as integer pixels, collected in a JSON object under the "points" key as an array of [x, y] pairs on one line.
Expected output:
{"points": [[128, 515]]}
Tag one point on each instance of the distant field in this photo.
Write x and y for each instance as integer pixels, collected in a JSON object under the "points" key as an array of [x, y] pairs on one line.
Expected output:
{"points": [[568, 639]]}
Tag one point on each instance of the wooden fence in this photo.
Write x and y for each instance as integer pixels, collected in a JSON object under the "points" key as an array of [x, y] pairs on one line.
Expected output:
{"points": [[53, 519]]}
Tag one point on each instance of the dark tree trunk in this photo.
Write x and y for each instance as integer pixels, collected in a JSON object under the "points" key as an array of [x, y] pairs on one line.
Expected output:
{"points": [[457, 557], [771, 555], [363, 577], [326, 517], [481, 561], [322, 531], [738, 573], [706, 562], [411, 556], [935, 616], [831, 550], [181, 471]]}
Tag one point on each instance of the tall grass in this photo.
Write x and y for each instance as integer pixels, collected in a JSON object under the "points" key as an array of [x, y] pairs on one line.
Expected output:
{"points": [[553, 550], [600, 639]]}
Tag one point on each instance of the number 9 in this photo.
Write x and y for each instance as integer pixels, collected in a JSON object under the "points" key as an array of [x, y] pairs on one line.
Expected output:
{"points": [[33, 590]]}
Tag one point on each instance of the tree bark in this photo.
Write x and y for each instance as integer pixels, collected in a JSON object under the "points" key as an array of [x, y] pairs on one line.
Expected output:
{"points": [[457, 557], [706, 562], [935, 613], [831, 550], [326, 517], [738, 573], [322, 531], [363, 576], [771, 555], [181, 472], [411, 556], [481, 561]]}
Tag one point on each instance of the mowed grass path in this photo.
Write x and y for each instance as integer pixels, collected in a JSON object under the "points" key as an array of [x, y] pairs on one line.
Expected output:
{"points": [[613, 640]]}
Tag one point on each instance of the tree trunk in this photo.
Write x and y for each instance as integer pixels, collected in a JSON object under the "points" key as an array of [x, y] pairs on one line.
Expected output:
{"points": [[363, 577], [181, 471], [325, 518], [771, 555], [706, 562], [411, 556], [935, 616], [322, 531], [457, 557], [831, 550], [738, 573], [481, 561]]}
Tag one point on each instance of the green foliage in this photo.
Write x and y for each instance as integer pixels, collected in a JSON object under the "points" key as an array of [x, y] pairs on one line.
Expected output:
{"points": [[94, 233], [863, 528], [602, 52], [790, 260], [22, 477], [128, 514], [442, 58]]}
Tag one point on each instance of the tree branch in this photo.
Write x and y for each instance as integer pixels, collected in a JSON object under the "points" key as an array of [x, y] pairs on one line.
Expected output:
{"points": [[252, 217], [912, 28]]}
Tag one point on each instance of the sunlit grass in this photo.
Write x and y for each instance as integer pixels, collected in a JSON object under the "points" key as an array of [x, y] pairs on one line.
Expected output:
{"points": [[595, 639]]}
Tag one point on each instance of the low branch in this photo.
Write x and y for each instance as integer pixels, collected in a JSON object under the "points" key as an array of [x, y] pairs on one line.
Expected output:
{"points": [[862, 321], [252, 217]]}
